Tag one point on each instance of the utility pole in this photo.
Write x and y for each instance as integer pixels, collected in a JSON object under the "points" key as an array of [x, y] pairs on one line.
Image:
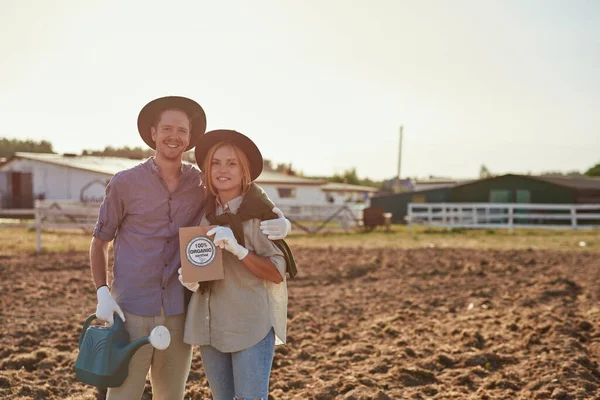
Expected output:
{"points": [[397, 185], [400, 153]]}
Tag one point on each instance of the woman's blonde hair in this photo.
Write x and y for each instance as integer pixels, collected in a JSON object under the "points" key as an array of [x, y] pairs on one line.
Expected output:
{"points": [[244, 164]]}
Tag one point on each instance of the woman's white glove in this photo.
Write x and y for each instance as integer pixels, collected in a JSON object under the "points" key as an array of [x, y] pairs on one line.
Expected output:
{"points": [[193, 286], [277, 228], [225, 239], [107, 306]]}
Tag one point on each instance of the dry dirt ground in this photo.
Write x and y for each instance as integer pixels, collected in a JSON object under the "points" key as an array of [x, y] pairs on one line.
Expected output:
{"points": [[363, 324]]}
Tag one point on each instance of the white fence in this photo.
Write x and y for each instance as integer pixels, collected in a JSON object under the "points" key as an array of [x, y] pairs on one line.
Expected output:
{"points": [[55, 214], [76, 215], [313, 218], [505, 215]]}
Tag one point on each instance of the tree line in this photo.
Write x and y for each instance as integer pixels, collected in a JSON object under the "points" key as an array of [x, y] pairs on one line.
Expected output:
{"points": [[8, 147]]}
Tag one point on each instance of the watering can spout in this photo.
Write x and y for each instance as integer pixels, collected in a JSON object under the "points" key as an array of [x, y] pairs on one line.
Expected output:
{"points": [[128, 351], [159, 338]]}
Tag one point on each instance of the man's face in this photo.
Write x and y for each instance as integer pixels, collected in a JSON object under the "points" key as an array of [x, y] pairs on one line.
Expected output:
{"points": [[171, 134]]}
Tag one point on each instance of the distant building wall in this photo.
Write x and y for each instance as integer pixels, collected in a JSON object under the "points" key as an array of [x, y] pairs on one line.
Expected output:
{"points": [[397, 204], [285, 193], [55, 182]]}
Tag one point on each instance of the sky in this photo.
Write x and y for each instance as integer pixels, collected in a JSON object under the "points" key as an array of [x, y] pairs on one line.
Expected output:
{"points": [[323, 84]]}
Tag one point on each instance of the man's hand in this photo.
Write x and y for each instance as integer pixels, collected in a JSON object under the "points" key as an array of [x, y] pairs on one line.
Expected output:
{"points": [[193, 286], [278, 228], [107, 306], [225, 239]]}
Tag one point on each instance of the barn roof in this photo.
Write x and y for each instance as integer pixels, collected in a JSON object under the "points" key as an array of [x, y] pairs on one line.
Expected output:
{"points": [[103, 165], [279, 178], [444, 189], [112, 165], [579, 183], [343, 187]]}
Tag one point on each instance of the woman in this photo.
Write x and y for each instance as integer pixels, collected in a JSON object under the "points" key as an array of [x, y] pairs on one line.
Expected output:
{"points": [[238, 320]]}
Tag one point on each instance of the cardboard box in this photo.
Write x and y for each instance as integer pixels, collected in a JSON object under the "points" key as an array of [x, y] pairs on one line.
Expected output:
{"points": [[201, 260]]}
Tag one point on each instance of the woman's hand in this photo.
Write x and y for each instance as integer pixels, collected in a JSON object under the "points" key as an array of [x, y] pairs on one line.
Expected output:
{"points": [[261, 267], [193, 286], [225, 239]]}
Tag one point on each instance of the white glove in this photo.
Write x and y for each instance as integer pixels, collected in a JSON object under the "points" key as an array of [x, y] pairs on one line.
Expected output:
{"points": [[225, 239], [278, 228], [193, 286], [107, 306]]}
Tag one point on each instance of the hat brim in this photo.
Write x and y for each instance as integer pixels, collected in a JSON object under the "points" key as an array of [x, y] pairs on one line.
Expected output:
{"points": [[209, 139], [147, 117]]}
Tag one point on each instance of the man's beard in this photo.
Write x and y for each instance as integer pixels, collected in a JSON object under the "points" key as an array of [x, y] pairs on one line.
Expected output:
{"points": [[173, 158], [168, 154]]}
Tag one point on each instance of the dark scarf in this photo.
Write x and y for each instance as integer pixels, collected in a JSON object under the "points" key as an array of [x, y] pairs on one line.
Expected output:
{"points": [[255, 204]]}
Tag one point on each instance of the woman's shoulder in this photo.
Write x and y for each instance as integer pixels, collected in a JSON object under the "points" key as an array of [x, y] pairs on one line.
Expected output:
{"points": [[204, 221]]}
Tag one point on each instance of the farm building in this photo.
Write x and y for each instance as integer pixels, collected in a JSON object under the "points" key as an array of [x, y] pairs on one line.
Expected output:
{"points": [[501, 189], [68, 177], [285, 189], [32, 176], [341, 193], [397, 203], [418, 185], [428, 184], [529, 189]]}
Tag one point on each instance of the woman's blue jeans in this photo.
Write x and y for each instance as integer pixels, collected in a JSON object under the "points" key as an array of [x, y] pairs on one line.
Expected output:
{"points": [[242, 374]]}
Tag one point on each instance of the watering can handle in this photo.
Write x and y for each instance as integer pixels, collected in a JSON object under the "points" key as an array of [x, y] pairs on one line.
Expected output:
{"points": [[86, 324], [89, 320]]}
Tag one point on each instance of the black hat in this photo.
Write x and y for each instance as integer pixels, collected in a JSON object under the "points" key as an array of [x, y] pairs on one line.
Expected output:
{"points": [[148, 115], [208, 140]]}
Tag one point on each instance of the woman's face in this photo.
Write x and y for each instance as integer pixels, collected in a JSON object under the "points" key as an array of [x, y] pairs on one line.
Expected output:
{"points": [[226, 171]]}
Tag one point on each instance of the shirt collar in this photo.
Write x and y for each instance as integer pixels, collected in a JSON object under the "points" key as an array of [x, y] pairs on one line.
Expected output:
{"points": [[155, 167], [232, 205]]}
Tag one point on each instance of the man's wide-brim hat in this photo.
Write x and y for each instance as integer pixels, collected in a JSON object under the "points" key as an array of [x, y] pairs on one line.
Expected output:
{"points": [[243, 142], [149, 114]]}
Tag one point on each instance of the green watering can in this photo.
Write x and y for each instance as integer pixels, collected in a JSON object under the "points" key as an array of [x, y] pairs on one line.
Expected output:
{"points": [[105, 352]]}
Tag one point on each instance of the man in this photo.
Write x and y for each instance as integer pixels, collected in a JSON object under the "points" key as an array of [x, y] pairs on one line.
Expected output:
{"points": [[142, 211]]}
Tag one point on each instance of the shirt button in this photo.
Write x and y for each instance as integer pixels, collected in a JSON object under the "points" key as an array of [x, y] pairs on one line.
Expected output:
{"points": [[166, 265], [170, 198], [164, 288]]}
